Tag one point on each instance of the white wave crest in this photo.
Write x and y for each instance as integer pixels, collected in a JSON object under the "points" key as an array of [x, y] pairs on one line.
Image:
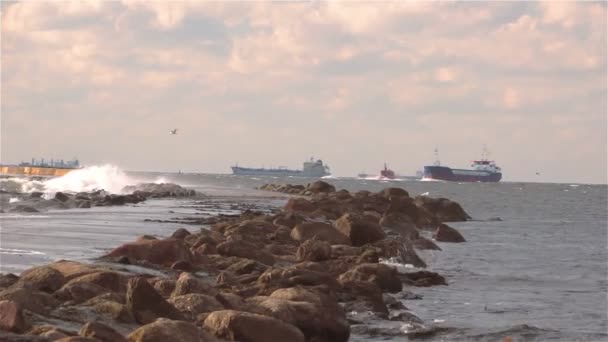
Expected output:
{"points": [[107, 177]]}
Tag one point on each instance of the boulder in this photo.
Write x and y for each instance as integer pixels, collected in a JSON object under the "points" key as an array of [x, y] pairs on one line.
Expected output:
{"points": [[181, 233], [298, 205], [443, 209], [276, 278], [402, 249], [243, 326], [320, 186], [188, 283], [146, 304], [77, 339], [445, 233], [400, 223], [111, 309], [165, 286], [424, 243], [246, 266], [182, 265], [7, 280], [314, 250], [362, 296], [394, 192], [422, 278], [160, 252], [72, 269], [101, 332], [385, 277], [60, 196], [322, 231], [359, 230], [12, 318], [165, 330], [42, 278], [288, 219], [110, 280], [191, 305], [79, 292], [318, 323], [29, 299], [245, 249]]}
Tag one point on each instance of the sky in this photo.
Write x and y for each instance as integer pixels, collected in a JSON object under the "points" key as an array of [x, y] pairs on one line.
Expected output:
{"points": [[268, 84]]}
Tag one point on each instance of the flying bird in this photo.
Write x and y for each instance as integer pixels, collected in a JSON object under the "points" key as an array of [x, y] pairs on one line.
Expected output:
{"points": [[173, 132]]}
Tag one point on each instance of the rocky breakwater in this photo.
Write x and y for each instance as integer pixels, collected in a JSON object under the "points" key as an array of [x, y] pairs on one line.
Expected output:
{"points": [[311, 272], [38, 201]]}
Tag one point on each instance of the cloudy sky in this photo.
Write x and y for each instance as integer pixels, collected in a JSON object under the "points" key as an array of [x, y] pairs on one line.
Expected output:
{"points": [[269, 84]]}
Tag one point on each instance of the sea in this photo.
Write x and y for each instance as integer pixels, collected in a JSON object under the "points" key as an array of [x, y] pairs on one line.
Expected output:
{"points": [[534, 266]]}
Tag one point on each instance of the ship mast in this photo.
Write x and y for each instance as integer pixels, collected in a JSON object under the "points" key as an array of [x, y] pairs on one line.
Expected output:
{"points": [[484, 153], [437, 162]]}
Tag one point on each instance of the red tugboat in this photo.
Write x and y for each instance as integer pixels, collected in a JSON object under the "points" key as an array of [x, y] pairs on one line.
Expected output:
{"points": [[387, 173]]}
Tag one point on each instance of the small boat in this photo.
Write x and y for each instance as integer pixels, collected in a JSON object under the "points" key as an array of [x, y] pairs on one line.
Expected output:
{"points": [[387, 173]]}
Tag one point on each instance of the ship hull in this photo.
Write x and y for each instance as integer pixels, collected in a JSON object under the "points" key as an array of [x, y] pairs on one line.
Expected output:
{"points": [[245, 171], [459, 175], [34, 171]]}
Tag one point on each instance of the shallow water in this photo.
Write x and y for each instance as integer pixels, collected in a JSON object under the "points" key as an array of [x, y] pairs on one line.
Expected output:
{"points": [[534, 265]]}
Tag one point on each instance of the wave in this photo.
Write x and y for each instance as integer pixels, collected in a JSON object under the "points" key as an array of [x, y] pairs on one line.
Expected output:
{"points": [[107, 177], [19, 251]]}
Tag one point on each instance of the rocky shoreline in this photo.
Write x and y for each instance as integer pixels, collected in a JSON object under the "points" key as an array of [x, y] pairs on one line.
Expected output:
{"points": [[320, 269]]}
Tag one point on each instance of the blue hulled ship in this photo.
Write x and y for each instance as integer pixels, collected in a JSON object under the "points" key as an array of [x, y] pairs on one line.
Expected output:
{"points": [[483, 170]]}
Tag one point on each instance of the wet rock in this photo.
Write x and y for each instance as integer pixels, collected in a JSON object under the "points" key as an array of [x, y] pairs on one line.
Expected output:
{"points": [[242, 326], [21, 208], [362, 296], [36, 194], [165, 287], [165, 330], [423, 278], [160, 252], [231, 301], [406, 317], [359, 230], [60, 196], [445, 233], [101, 332], [385, 277], [111, 309], [425, 244], [320, 186], [188, 283], [193, 304], [443, 209], [321, 231], [314, 250], [298, 205], [146, 304], [401, 224], [276, 278], [181, 233], [288, 220], [244, 249], [345, 250], [77, 339], [392, 303], [11, 317], [402, 249], [155, 190]]}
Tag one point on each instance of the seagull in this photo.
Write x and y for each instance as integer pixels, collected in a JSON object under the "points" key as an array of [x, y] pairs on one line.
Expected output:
{"points": [[173, 132]]}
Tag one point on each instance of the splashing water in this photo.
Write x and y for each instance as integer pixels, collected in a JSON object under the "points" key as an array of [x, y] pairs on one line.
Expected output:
{"points": [[107, 177]]}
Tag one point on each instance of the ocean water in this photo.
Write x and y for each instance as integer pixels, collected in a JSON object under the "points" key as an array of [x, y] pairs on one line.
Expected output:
{"points": [[534, 265]]}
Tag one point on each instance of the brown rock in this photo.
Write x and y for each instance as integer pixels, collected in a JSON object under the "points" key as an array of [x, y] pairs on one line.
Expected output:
{"points": [[320, 186], [146, 304], [322, 231], [385, 277], [394, 192], [246, 266], [101, 332], [345, 250], [245, 249], [444, 209], [35, 301], [361, 296], [165, 287], [424, 243], [314, 250], [79, 292], [401, 224], [7, 280], [288, 220], [230, 301], [11, 317], [423, 278], [276, 278], [318, 323], [360, 230], [111, 309], [72, 269], [110, 280], [299, 204], [165, 330], [445, 233], [182, 265], [181, 233], [242, 326], [160, 252], [78, 339], [191, 305], [188, 283], [43, 278]]}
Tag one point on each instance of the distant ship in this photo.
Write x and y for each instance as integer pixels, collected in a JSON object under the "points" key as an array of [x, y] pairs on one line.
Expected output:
{"points": [[310, 168], [49, 168], [387, 173], [484, 170]]}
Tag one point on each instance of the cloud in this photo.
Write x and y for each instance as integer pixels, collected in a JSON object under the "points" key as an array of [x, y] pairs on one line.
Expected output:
{"points": [[323, 78]]}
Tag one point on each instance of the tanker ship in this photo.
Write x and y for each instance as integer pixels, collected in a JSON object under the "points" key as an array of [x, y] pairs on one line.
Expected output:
{"points": [[483, 170], [310, 168]]}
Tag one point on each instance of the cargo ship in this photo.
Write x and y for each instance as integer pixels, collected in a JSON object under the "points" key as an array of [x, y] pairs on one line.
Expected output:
{"points": [[51, 168], [483, 170], [311, 168]]}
